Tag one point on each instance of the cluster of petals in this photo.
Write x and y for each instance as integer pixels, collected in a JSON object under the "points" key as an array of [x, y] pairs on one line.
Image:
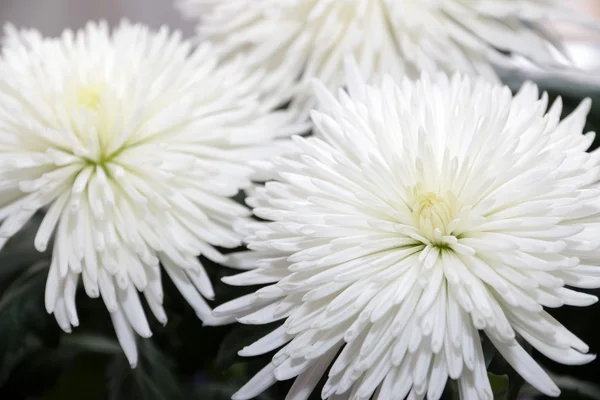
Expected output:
{"points": [[297, 40], [132, 142], [422, 215]]}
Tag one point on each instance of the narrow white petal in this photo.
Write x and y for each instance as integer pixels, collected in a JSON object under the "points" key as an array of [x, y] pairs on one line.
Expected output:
{"points": [[258, 384], [60, 313], [269, 342], [125, 336], [53, 286], [522, 362], [306, 381], [129, 300], [187, 289]]}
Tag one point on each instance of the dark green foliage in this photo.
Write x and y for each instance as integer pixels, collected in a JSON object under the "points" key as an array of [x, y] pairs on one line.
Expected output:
{"points": [[152, 379]]}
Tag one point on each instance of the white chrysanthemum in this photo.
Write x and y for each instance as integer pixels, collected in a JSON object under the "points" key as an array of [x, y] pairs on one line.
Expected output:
{"points": [[424, 213], [309, 38], [135, 142]]}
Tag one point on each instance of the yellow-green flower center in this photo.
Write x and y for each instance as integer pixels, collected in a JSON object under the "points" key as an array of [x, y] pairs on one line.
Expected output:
{"points": [[95, 120], [89, 96], [432, 213]]}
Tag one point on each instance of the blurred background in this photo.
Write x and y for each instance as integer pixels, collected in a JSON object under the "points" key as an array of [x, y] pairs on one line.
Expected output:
{"points": [[52, 16]]}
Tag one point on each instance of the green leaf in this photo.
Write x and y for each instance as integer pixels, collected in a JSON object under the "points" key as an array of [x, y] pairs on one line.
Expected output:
{"points": [[28, 281], [84, 375], [588, 389], [221, 391], [25, 326], [92, 343], [152, 379], [500, 385], [207, 387], [570, 387], [19, 252], [35, 372], [24, 323]]}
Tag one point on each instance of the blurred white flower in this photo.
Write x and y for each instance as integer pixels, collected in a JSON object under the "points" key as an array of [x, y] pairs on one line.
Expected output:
{"points": [[297, 40], [422, 214], [135, 141]]}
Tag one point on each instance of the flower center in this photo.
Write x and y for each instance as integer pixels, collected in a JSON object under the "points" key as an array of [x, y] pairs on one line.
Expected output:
{"points": [[95, 110], [432, 213], [89, 96]]}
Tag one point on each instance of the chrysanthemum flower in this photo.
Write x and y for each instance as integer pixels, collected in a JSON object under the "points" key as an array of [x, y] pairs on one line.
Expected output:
{"points": [[422, 215], [301, 39], [135, 142]]}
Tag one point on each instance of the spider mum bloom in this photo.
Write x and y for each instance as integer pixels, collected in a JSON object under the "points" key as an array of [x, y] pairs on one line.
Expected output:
{"points": [[423, 214], [298, 40], [134, 142]]}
